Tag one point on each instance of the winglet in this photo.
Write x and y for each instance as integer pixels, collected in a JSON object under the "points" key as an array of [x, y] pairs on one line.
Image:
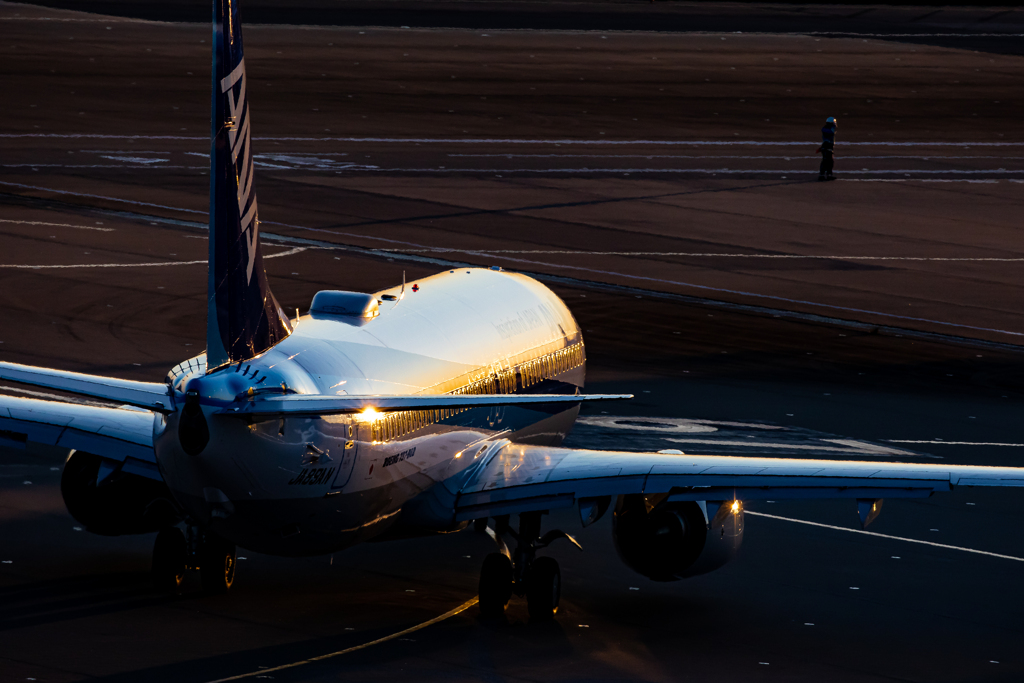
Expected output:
{"points": [[243, 317]]}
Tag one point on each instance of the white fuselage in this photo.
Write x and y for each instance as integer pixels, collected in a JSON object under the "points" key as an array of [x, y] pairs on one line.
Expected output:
{"points": [[303, 485]]}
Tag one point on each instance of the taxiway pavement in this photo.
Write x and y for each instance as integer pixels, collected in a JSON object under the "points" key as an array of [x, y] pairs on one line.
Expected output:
{"points": [[708, 284]]}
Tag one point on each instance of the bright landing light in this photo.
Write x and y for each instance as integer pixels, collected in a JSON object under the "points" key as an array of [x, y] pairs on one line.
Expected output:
{"points": [[735, 507]]}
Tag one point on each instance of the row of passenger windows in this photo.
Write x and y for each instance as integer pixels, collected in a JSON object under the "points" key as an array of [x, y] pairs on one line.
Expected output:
{"points": [[499, 381], [394, 425], [551, 365]]}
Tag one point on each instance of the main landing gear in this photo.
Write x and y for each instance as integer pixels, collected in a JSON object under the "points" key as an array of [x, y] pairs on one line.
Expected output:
{"points": [[175, 552], [522, 572]]}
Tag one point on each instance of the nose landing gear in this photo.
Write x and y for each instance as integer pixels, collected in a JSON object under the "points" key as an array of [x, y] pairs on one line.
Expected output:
{"points": [[522, 572], [175, 552]]}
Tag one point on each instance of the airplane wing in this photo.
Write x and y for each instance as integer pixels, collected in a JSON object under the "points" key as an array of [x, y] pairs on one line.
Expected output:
{"points": [[148, 395], [520, 478], [314, 405], [122, 437]]}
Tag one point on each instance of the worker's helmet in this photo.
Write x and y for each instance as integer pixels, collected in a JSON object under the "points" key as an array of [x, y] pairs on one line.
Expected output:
{"points": [[831, 120]]}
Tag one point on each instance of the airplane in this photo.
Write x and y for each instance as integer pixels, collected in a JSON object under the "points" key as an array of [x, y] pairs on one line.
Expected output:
{"points": [[410, 411]]}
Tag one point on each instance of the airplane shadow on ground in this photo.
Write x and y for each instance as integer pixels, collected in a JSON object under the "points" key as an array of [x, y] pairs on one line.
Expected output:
{"points": [[45, 602], [257, 661]]}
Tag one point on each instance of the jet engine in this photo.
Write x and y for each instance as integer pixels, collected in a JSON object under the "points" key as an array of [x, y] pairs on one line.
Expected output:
{"points": [[114, 503], [668, 541]]}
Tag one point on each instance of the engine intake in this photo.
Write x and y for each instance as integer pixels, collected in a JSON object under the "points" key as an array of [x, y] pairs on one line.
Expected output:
{"points": [[120, 504], [672, 541]]}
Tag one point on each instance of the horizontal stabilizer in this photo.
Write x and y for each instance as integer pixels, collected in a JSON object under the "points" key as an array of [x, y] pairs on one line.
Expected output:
{"points": [[116, 435], [147, 395], [312, 405]]}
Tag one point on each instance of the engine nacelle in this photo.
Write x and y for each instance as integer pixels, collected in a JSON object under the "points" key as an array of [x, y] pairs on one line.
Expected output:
{"points": [[672, 541], [119, 504]]}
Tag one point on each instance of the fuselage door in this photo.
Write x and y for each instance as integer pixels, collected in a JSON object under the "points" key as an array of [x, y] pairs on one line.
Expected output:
{"points": [[349, 452]]}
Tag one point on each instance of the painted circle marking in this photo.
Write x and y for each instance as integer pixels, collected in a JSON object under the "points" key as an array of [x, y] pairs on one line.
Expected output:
{"points": [[665, 425]]}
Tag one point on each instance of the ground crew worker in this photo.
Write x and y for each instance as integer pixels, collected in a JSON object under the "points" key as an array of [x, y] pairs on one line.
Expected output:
{"points": [[828, 143]]}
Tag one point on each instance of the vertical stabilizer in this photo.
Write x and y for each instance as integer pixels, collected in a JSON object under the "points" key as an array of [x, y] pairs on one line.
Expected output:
{"points": [[243, 317]]}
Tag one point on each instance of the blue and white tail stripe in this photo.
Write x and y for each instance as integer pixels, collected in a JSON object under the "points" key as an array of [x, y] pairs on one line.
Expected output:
{"points": [[243, 317]]}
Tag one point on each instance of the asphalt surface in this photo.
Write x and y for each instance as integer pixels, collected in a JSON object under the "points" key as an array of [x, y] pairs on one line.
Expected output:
{"points": [[671, 265], [992, 27]]}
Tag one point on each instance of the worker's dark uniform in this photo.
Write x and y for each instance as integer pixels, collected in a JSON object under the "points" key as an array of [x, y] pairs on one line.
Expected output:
{"points": [[828, 143]]}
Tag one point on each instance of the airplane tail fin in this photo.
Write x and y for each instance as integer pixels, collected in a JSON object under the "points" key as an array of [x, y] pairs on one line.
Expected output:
{"points": [[243, 317]]}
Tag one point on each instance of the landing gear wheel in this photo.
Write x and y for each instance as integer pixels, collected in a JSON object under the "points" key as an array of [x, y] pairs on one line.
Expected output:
{"points": [[543, 588], [170, 555], [495, 585], [216, 564]]}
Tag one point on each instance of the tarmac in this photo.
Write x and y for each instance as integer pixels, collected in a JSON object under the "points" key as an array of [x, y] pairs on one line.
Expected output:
{"points": [[664, 184]]}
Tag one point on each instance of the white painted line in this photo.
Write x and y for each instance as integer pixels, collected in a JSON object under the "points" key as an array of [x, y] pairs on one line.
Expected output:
{"points": [[510, 155], [106, 20], [313, 154], [261, 673], [614, 143], [524, 141], [734, 35], [853, 34], [791, 157], [712, 171], [958, 443], [134, 160], [893, 538], [338, 168], [102, 136], [56, 225], [19, 266], [925, 180], [135, 165], [570, 252], [865, 449], [140, 151]]}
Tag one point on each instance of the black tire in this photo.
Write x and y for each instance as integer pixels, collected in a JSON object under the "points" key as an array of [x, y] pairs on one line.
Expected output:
{"points": [[216, 564], [170, 555], [543, 589], [495, 585]]}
